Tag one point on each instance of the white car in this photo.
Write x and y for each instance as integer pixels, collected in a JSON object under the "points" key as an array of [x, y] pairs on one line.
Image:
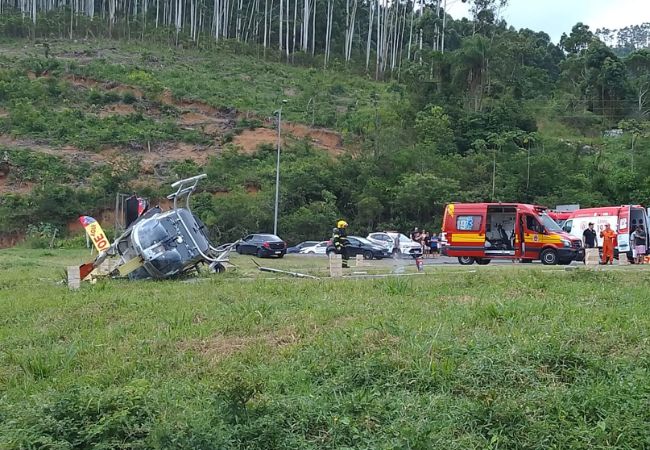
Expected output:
{"points": [[318, 249], [387, 239]]}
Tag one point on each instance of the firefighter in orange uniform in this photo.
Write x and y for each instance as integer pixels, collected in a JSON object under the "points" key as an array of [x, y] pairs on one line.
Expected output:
{"points": [[609, 240]]}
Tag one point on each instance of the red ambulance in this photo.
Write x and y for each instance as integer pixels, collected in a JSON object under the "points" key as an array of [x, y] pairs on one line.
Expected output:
{"points": [[481, 232]]}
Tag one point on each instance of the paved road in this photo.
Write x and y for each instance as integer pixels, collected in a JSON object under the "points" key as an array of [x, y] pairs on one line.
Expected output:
{"points": [[445, 260], [454, 261]]}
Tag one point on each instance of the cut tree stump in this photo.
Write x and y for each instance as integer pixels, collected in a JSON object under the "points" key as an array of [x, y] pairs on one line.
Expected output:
{"points": [[592, 257], [74, 278], [336, 266]]}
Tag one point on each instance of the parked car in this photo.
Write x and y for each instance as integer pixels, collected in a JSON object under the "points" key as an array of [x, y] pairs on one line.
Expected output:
{"points": [[362, 246], [296, 248], [387, 240], [319, 249], [262, 245]]}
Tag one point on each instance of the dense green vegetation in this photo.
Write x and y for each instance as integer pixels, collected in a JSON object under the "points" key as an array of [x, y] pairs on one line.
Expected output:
{"points": [[503, 358]]}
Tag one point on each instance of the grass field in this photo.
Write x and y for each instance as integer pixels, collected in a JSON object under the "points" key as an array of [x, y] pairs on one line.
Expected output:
{"points": [[491, 358]]}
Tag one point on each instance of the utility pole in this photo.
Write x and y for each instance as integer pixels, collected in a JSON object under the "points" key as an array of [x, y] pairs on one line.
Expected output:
{"points": [[277, 170]]}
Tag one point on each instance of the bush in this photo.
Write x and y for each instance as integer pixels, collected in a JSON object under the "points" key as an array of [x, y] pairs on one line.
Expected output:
{"points": [[129, 98], [41, 235], [251, 124], [87, 417], [586, 122], [41, 66]]}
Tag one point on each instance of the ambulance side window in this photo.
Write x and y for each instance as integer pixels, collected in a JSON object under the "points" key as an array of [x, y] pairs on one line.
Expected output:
{"points": [[567, 226], [468, 223]]}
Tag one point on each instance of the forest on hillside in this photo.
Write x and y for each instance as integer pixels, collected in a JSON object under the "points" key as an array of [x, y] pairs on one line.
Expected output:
{"points": [[465, 110]]}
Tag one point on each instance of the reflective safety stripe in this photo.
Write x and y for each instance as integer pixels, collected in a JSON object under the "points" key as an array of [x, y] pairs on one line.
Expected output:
{"points": [[460, 238]]}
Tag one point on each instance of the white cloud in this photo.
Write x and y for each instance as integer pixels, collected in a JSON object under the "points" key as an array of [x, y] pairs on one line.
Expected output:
{"points": [[619, 14], [558, 16]]}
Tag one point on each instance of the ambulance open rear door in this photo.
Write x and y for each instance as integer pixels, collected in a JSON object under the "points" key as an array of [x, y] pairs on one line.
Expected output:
{"points": [[623, 230]]}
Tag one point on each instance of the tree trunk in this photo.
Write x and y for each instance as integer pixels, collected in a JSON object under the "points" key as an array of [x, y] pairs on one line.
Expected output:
{"points": [[371, 12], [238, 30], [444, 27], [111, 16], [328, 32], [305, 25], [408, 52], [266, 12], [179, 17], [295, 21], [378, 43], [281, 19], [286, 42], [313, 32], [350, 20]]}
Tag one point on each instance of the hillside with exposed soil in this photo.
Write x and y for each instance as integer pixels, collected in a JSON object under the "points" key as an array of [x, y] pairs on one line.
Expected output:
{"points": [[95, 119], [219, 127]]}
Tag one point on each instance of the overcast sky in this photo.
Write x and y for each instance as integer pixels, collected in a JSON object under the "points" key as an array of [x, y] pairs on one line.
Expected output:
{"points": [[558, 16]]}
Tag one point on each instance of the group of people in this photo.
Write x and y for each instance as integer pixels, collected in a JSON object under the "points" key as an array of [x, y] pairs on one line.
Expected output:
{"points": [[428, 242], [638, 240]]}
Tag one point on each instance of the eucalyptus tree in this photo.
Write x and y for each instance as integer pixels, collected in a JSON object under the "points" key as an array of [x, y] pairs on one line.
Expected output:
{"points": [[350, 19], [638, 69]]}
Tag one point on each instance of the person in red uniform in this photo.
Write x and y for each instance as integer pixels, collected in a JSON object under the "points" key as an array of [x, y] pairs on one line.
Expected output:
{"points": [[609, 241]]}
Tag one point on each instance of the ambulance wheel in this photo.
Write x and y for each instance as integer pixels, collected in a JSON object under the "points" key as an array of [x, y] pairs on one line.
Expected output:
{"points": [[483, 262], [548, 257], [465, 260]]}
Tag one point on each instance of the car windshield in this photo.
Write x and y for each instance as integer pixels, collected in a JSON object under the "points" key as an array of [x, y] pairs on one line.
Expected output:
{"points": [[403, 238], [549, 223], [364, 240]]}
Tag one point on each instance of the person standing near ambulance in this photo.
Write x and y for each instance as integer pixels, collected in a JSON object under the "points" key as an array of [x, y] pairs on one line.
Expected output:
{"points": [[589, 236], [609, 241], [639, 244]]}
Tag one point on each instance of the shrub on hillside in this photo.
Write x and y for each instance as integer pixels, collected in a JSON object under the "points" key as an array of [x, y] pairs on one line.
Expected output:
{"points": [[41, 235]]}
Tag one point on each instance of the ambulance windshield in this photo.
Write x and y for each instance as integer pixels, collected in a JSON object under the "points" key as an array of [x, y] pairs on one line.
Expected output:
{"points": [[549, 223]]}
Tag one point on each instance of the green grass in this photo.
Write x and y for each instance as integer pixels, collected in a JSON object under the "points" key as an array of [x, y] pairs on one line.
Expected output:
{"points": [[493, 358]]}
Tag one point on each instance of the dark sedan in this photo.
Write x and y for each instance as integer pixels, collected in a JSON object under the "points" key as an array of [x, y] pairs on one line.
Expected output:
{"points": [[262, 245], [362, 246]]}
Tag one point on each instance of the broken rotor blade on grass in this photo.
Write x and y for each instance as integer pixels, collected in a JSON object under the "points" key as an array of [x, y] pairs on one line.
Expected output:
{"points": [[293, 274]]}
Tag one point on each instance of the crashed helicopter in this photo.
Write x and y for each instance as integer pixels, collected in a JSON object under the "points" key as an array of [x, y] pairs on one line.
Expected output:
{"points": [[157, 244]]}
